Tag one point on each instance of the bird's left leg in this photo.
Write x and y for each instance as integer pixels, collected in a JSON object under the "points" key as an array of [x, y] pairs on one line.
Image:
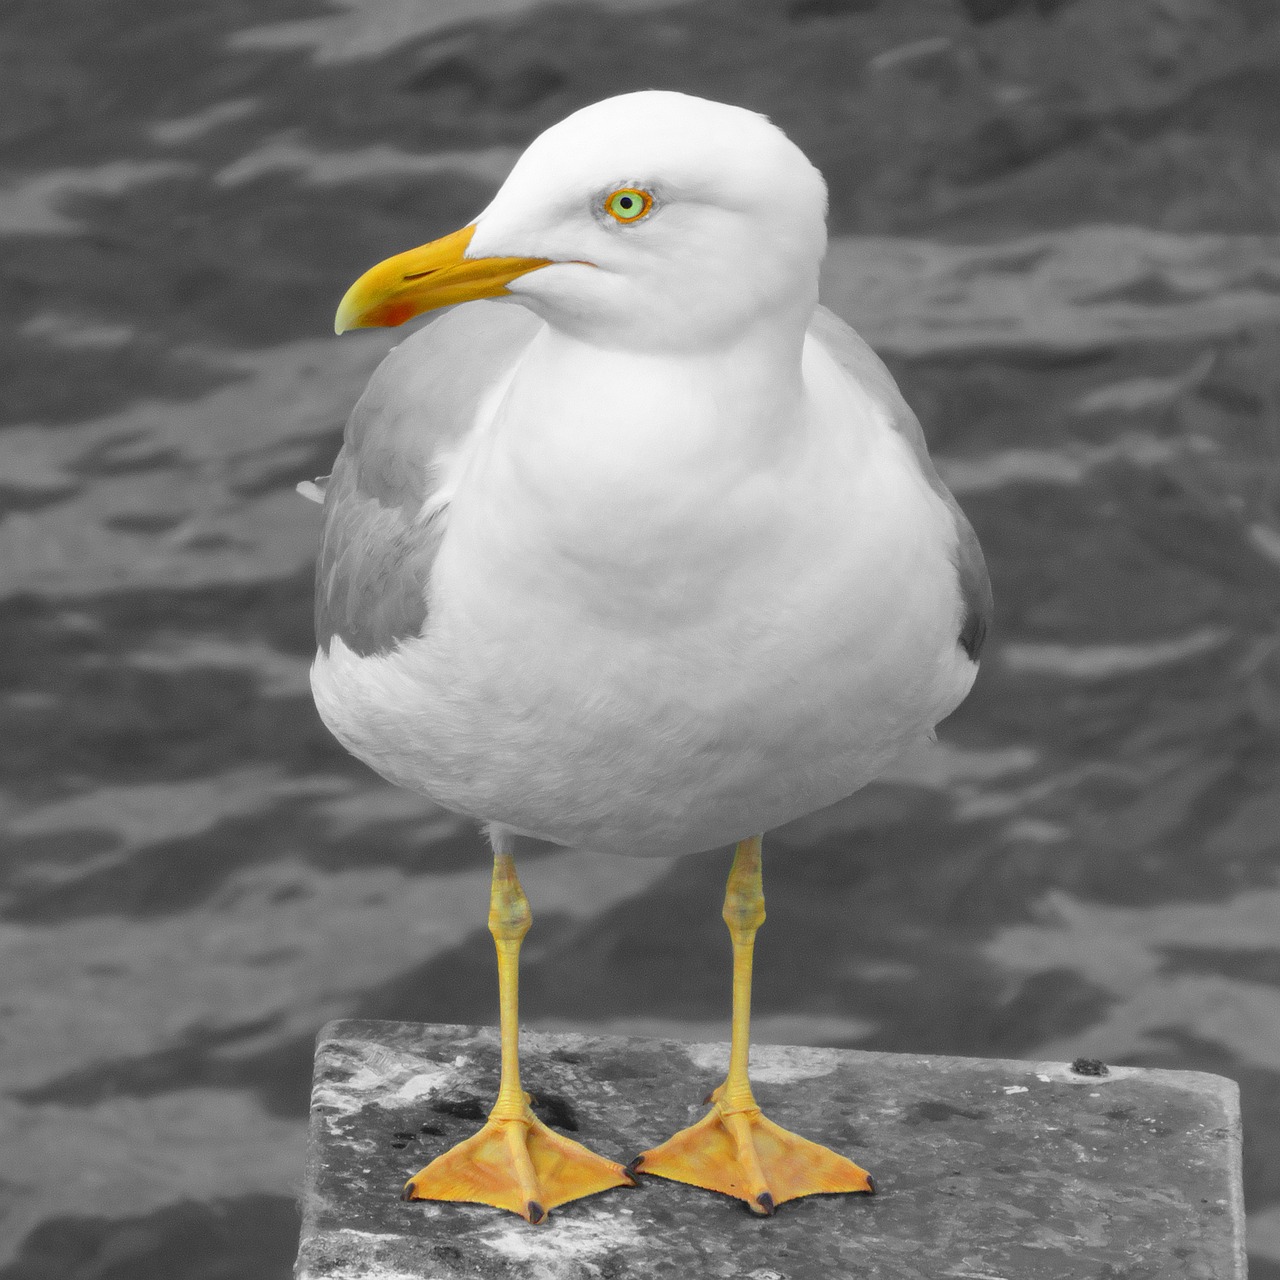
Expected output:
{"points": [[515, 1162], [734, 1148]]}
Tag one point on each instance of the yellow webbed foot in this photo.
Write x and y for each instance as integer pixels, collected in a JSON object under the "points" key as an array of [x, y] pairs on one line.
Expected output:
{"points": [[516, 1163], [740, 1152]]}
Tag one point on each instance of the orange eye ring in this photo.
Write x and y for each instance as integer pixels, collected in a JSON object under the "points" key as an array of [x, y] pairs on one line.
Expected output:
{"points": [[627, 204]]}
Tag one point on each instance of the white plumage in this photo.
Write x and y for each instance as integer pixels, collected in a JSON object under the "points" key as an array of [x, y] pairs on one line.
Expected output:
{"points": [[690, 577]]}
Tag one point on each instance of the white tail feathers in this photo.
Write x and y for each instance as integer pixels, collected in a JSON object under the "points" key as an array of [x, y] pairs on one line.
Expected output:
{"points": [[314, 489]]}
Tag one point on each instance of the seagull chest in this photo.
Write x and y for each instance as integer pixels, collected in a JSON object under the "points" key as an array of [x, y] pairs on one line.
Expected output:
{"points": [[739, 669]]}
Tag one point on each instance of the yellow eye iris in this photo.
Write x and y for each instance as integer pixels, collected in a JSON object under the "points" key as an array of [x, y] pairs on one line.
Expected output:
{"points": [[628, 204]]}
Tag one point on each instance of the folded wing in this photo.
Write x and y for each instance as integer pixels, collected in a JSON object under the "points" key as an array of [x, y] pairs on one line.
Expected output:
{"points": [[384, 513], [853, 354]]}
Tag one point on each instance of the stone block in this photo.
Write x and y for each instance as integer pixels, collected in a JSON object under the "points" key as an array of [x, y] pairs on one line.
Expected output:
{"points": [[987, 1170]]}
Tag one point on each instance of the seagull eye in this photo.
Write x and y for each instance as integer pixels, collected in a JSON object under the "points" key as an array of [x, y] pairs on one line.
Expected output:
{"points": [[628, 204]]}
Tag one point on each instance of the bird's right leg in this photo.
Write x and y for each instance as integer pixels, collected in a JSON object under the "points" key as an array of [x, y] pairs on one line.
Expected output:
{"points": [[736, 1149], [515, 1162]]}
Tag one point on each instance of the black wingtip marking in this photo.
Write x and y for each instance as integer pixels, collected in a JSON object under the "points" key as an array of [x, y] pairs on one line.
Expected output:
{"points": [[974, 583], [973, 634]]}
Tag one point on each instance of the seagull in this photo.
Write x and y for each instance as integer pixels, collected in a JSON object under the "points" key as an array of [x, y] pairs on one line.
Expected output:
{"points": [[638, 550]]}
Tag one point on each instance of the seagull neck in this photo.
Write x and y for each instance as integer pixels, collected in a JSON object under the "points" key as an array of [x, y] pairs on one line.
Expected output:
{"points": [[751, 389]]}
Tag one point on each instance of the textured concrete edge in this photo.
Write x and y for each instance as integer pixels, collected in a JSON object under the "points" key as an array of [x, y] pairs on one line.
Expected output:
{"points": [[315, 1146], [1226, 1090], [1229, 1092]]}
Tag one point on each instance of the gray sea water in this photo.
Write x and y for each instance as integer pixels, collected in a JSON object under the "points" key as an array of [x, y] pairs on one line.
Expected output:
{"points": [[1057, 221]]}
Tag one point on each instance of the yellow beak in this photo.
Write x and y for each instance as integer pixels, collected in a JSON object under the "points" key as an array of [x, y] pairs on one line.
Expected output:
{"points": [[433, 275]]}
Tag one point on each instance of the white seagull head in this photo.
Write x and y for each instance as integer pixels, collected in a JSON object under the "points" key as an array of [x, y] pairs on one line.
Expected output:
{"points": [[651, 221]]}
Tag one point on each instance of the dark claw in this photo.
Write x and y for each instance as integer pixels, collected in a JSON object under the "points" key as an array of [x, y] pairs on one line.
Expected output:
{"points": [[536, 1212], [765, 1201], [407, 1193], [871, 1185], [706, 1102], [634, 1166]]}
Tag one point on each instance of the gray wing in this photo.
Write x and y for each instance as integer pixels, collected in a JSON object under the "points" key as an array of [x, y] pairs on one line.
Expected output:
{"points": [[374, 571], [861, 362]]}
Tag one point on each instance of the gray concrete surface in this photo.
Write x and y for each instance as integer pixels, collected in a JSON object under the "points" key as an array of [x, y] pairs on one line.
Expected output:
{"points": [[987, 1170]]}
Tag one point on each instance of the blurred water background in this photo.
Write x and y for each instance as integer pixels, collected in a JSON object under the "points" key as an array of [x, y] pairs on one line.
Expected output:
{"points": [[1058, 222]]}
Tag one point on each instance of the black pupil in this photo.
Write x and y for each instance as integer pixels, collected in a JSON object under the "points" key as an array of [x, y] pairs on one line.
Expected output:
{"points": [[625, 202]]}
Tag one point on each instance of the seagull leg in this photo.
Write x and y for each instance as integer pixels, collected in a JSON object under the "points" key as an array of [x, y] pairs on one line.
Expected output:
{"points": [[515, 1162], [734, 1149]]}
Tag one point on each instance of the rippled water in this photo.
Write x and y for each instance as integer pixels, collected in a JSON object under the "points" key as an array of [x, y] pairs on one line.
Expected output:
{"points": [[1059, 223]]}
